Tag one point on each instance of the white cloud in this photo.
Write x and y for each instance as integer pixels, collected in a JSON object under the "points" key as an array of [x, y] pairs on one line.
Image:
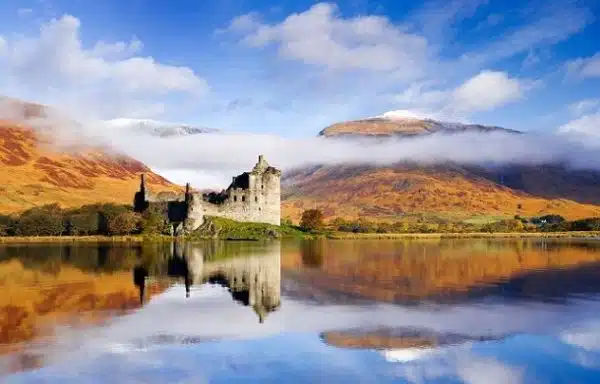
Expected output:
{"points": [[245, 23], [585, 67], [588, 125], [584, 106], [483, 92], [22, 12], [421, 94], [321, 36], [556, 22], [102, 48], [487, 90], [107, 76], [3, 46], [437, 17]]}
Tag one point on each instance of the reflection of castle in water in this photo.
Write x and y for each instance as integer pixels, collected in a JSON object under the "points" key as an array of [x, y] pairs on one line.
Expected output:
{"points": [[251, 274]]}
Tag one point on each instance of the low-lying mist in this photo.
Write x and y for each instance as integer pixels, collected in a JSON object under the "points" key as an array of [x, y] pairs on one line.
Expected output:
{"points": [[209, 160], [213, 158]]}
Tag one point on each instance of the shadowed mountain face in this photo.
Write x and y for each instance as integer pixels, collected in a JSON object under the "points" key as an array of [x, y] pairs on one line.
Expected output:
{"points": [[549, 181], [35, 170], [447, 190]]}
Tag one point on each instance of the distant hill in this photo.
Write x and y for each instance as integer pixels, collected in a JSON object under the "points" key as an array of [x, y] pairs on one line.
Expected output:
{"points": [[35, 171], [157, 128], [404, 125], [452, 191]]}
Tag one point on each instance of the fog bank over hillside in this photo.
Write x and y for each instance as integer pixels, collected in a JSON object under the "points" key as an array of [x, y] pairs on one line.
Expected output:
{"points": [[208, 160]]}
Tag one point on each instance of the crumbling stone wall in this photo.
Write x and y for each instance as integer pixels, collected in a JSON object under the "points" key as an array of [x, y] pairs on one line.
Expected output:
{"points": [[253, 196], [260, 202]]}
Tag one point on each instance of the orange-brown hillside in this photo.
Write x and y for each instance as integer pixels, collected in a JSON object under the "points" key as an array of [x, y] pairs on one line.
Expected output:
{"points": [[405, 126], [33, 171], [390, 192], [446, 190]]}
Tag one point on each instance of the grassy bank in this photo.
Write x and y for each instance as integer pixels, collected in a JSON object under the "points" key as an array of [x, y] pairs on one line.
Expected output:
{"points": [[474, 235], [220, 228], [224, 229]]}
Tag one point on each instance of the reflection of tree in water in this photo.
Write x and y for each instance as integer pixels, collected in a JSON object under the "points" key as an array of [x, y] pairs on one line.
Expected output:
{"points": [[249, 271], [177, 266], [252, 277], [312, 253], [86, 257], [139, 279]]}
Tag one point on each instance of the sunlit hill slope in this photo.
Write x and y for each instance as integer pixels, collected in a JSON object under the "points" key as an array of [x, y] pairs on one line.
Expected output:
{"points": [[35, 171], [445, 190]]}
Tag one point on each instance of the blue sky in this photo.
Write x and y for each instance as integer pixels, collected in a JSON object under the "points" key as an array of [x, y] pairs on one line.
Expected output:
{"points": [[293, 67]]}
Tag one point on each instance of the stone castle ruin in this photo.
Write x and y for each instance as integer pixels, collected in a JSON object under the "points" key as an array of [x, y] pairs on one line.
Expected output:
{"points": [[253, 196]]}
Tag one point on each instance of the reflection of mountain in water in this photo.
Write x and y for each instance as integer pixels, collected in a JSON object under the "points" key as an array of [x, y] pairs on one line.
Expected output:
{"points": [[443, 271], [398, 341], [250, 272]]}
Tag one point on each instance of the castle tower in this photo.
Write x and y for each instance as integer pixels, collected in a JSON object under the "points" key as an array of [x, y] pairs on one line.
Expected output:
{"points": [[188, 193], [140, 199], [261, 165]]}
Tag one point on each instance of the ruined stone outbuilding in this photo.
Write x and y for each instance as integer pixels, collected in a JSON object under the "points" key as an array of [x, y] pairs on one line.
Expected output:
{"points": [[253, 196]]}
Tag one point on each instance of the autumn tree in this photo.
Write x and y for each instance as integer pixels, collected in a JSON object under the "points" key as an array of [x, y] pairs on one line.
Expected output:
{"points": [[312, 219], [46, 220], [82, 224], [153, 223], [123, 223], [7, 225], [117, 220]]}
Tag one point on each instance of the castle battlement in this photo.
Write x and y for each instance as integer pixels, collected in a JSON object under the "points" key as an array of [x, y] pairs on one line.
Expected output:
{"points": [[253, 196]]}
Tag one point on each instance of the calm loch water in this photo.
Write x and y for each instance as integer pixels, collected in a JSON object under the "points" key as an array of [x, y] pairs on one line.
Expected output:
{"points": [[451, 311]]}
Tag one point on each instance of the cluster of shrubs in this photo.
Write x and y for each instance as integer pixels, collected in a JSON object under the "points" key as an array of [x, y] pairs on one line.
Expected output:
{"points": [[556, 223], [363, 225], [312, 220], [96, 219]]}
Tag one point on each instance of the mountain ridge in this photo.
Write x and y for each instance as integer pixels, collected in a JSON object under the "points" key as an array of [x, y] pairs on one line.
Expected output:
{"points": [[443, 190], [387, 125], [157, 128]]}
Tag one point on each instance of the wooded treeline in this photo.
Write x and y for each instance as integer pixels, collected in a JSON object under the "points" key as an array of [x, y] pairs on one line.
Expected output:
{"points": [[95, 219]]}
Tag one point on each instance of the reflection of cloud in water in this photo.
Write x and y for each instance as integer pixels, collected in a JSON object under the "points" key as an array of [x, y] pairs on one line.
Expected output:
{"points": [[586, 336], [407, 354], [210, 314], [210, 336]]}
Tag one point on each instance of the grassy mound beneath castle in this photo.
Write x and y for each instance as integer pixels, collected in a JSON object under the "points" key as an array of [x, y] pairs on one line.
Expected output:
{"points": [[226, 229]]}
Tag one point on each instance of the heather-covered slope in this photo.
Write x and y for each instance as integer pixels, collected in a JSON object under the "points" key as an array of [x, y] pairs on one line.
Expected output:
{"points": [[33, 171], [390, 124], [452, 191], [390, 192]]}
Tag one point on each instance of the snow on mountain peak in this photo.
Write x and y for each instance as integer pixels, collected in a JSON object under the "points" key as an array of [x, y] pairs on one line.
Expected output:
{"points": [[157, 128], [404, 114]]}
